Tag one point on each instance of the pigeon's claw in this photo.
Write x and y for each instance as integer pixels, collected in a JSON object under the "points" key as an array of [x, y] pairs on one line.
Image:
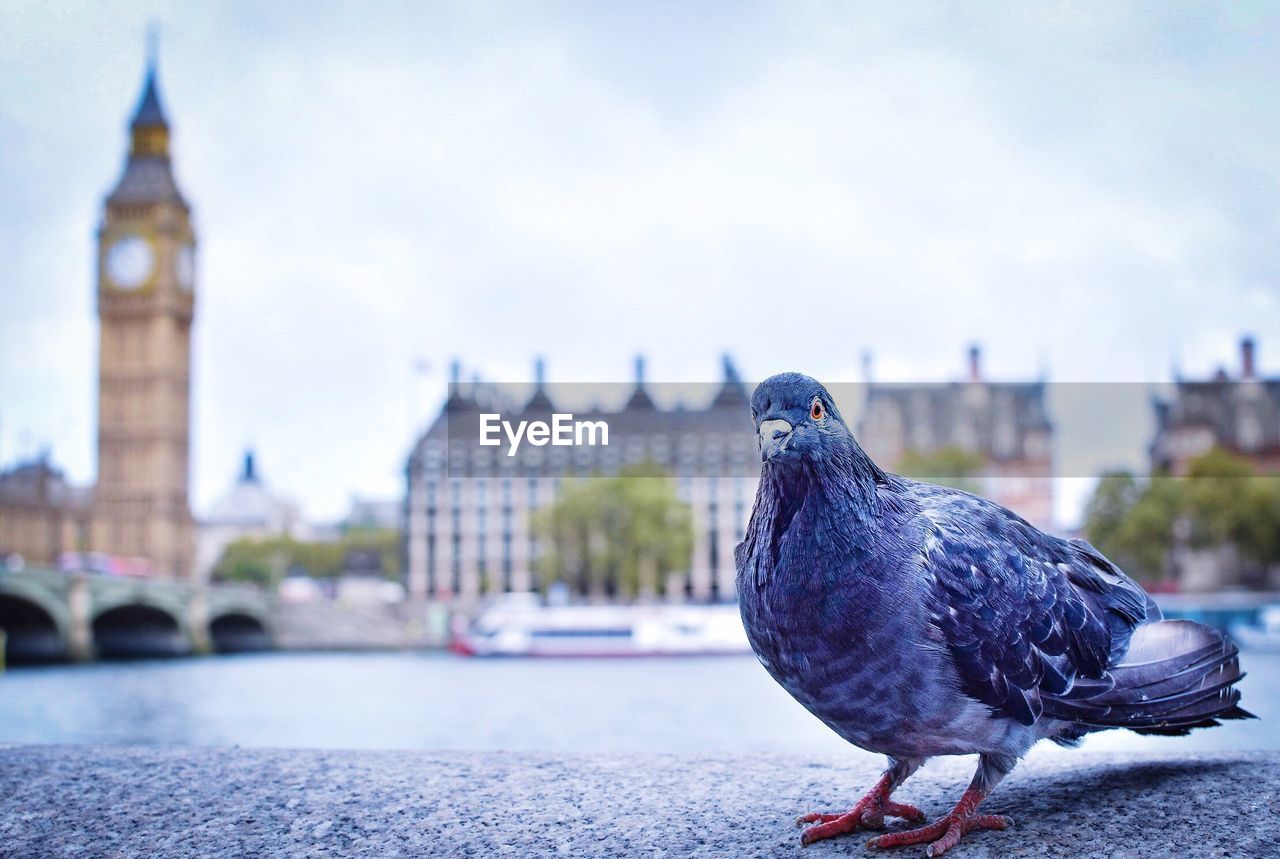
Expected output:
{"points": [[855, 818], [897, 809], [946, 832], [942, 834], [868, 813]]}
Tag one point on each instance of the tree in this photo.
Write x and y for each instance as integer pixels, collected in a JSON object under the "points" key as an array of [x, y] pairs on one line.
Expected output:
{"points": [[948, 466], [1113, 500], [616, 536], [1229, 503], [1134, 524], [266, 560], [1220, 502]]}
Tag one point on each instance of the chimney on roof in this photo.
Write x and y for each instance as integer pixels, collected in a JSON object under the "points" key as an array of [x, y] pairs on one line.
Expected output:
{"points": [[975, 363], [1247, 368], [730, 371], [250, 473], [539, 402], [455, 372], [640, 398]]}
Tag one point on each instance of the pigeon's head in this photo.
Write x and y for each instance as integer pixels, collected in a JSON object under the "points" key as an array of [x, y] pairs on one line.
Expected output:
{"points": [[796, 419]]}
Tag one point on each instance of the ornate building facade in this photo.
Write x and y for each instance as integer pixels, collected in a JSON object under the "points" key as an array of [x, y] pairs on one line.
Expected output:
{"points": [[42, 516], [1239, 413], [248, 509], [145, 289], [146, 305], [468, 510], [1004, 425]]}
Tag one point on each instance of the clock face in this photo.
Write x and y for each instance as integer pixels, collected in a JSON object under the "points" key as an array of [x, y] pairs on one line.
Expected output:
{"points": [[130, 262], [186, 267]]}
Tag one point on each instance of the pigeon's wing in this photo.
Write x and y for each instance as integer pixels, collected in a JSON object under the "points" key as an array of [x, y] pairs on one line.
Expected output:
{"points": [[1022, 613]]}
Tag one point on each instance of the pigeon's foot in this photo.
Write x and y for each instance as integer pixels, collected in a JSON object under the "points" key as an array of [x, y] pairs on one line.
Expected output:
{"points": [[868, 813], [942, 834], [872, 818], [946, 832]]}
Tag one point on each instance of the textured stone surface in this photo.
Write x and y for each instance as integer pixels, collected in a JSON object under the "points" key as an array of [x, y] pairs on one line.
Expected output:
{"points": [[180, 802]]}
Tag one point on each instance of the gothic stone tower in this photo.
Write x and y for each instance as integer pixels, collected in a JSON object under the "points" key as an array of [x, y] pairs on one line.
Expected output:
{"points": [[146, 302]]}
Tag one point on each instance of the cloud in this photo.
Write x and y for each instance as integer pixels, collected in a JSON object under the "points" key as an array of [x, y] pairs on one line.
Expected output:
{"points": [[1087, 194]]}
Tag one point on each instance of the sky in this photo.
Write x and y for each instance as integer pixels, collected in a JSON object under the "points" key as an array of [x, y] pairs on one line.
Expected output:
{"points": [[1089, 191]]}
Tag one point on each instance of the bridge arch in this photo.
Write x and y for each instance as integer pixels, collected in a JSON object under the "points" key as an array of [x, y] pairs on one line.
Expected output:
{"points": [[33, 631], [236, 631], [139, 630]]}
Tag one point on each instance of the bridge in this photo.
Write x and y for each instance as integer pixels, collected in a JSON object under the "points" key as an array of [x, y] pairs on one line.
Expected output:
{"points": [[50, 615]]}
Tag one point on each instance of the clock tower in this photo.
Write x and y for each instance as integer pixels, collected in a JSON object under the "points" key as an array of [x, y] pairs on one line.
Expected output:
{"points": [[146, 303]]}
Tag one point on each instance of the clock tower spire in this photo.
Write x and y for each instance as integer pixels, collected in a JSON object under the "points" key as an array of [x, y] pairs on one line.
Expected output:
{"points": [[146, 305]]}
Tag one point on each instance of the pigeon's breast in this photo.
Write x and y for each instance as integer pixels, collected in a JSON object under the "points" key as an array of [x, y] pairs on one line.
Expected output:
{"points": [[850, 644]]}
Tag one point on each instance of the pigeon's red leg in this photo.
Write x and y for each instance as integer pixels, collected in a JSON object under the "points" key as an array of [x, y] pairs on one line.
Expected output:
{"points": [[869, 812], [946, 832]]}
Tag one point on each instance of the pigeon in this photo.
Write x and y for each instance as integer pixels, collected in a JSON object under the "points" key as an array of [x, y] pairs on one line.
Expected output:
{"points": [[918, 620]]}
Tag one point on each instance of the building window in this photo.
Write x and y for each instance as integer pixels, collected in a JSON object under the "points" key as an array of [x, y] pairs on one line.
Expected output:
{"points": [[1250, 432], [684, 489], [455, 563], [431, 558], [506, 561], [713, 550], [482, 561], [739, 509]]}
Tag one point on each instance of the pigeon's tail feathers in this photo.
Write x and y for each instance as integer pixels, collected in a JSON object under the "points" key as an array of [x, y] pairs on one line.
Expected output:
{"points": [[1177, 675]]}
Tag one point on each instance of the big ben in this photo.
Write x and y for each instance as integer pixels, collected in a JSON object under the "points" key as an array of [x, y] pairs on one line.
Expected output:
{"points": [[146, 304]]}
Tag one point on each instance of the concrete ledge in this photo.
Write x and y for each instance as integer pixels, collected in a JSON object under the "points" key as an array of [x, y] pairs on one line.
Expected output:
{"points": [[181, 802]]}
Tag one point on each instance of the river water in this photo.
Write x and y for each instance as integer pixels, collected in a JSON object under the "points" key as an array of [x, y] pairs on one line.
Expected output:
{"points": [[441, 701]]}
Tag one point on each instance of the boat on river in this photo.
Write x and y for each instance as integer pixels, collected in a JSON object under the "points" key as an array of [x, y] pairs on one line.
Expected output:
{"points": [[522, 626]]}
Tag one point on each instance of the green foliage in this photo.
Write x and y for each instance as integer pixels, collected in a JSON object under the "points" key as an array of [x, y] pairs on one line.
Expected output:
{"points": [[266, 560], [947, 466], [1229, 503], [1221, 501], [1133, 524], [623, 533], [1113, 498]]}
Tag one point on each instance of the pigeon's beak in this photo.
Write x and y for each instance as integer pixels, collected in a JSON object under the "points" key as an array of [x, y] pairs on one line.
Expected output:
{"points": [[773, 436]]}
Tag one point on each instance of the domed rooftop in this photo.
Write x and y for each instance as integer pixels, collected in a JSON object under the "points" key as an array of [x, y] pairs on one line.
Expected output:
{"points": [[250, 504]]}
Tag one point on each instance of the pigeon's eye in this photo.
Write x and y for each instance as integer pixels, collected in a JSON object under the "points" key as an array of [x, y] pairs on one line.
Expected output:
{"points": [[816, 411]]}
